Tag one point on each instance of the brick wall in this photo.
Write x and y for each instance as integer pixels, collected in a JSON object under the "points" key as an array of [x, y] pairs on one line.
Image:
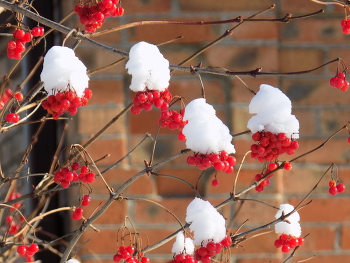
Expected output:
{"points": [[298, 45]]}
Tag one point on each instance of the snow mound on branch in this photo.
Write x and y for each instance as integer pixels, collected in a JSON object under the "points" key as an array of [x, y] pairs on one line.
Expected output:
{"points": [[183, 245], [62, 71], [206, 222], [293, 227], [148, 67], [273, 112], [205, 132], [72, 260]]}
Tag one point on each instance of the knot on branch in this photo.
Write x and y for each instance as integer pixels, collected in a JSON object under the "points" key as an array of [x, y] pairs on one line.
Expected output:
{"points": [[287, 17], [255, 72]]}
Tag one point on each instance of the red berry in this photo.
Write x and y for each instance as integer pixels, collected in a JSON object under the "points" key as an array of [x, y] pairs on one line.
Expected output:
{"points": [[219, 166], [287, 166], [90, 177], [88, 93], [84, 169], [332, 183], [18, 96], [18, 34], [33, 248], [75, 166], [215, 182], [227, 241], [77, 214], [301, 241], [340, 188], [259, 188], [117, 258], [181, 137], [285, 248], [333, 190], [22, 250], [272, 166]]}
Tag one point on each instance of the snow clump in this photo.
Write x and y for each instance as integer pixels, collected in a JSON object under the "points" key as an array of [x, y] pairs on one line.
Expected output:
{"points": [[183, 245], [148, 67], [293, 227], [63, 71], [206, 222], [72, 260], [273, 113], [205, 132]]}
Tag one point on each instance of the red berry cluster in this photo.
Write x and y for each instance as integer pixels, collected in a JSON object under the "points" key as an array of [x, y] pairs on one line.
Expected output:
{"points": [[181, 258], [66, 101], [205, 254], [263, 184], [78, 212], [146, 99], [173, 120], [16, 47], [339, 82], [6, 96], [335, 188], [271, 145], [13, 227], [345, 23], [93, 16], [65, 176], [126, 253], [221, 162], [14, 196], [28, 251], [286, 242]]}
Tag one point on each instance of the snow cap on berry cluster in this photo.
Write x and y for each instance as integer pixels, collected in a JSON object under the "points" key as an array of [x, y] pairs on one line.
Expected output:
{"points": [[148, 67], [206, 222], [205, 132], [183, 245], [273, 112], [292, 227], [62, 71]]}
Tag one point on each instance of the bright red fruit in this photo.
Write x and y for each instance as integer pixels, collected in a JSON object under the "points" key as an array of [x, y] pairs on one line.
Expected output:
{"points": [[22, 250], [215, 182], [287, 166], [333, 190], [77, 214], [340, 188]]}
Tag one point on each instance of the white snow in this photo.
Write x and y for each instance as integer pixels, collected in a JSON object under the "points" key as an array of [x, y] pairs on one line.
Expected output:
{"points": [[148, 67], [205, 132], [293, 227], [183, 245], [72, 260], [61, 70], [273, 112], [206, 222]]}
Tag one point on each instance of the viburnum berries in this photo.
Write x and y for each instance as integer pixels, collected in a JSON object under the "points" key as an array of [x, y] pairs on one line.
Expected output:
{"points": [[345, 23], [66, 101], [65, 176], [220, 162], [271, 145], [94, 15], [335, 188], [287, 242], [144, 100], [205, 254], [339, 82], [77, 214], [126, 253], [16, 47], [28, 251]]}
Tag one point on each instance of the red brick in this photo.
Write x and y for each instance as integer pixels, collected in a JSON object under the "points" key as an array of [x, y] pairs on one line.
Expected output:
{"points": [[306, 118], [191, 89], [170, 187], [98, 58], [116, 177], [320, 238], [147, 212], [338, 147], [106, 91], [333, 119], [323, 259], [256, 30], [152, 6], [240, 116], [91, 120], [301, 7], [239, 93], [291, 60], [211, 6], [324, 210], [345, 242], [262, 259], [243, 58], [311, 92], [115, 147], [190, 33], [110, 38], [114, 215], [337, 53], [295, 181], [313, 30]]}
